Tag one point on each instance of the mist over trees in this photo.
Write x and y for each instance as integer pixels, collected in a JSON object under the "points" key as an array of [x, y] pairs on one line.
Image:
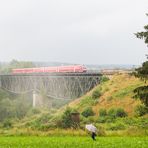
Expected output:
{"points": [[7, 67], [13, 106]]}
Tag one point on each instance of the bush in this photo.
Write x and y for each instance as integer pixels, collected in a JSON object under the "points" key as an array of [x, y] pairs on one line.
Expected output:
{"points": [[102, 119], [141, 110], [7, 124], [120, 112], [116, 126], [87, 112], [66, 118], [104, 79], [33, 111], [101, 131], [112, 113], [116, 112], [96, 94], [102, 112]]}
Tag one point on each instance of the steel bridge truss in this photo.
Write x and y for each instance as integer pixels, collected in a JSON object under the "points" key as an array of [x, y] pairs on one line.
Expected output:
{"points": [[66, 86]]}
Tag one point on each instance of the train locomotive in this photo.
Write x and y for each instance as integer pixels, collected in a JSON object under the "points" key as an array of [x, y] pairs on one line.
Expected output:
{"points": [[56, 69]]}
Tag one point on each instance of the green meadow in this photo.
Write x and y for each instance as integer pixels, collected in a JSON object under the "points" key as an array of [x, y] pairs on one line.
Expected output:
{"points": [[73, 142]]}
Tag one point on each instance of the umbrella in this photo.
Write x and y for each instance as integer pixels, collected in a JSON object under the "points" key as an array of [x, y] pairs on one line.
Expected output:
{"points": [[91, 128]]}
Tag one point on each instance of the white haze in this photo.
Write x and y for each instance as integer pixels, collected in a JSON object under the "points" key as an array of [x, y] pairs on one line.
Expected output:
{"points": [[74, 31]]}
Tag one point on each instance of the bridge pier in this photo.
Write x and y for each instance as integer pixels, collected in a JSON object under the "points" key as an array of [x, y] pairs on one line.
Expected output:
{"points": [[34, 99]]}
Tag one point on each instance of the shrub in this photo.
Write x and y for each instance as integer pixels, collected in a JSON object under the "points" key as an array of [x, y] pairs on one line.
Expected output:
{"points": [[7, 123], [102, 112], [104, 79], [116, 112], [141, 110], [116, 126], [110, 119], [91, 119], [33, 111], [66, 118], [101, 131], [96, 94], [112, 113], [102, 119], [120, 112], [87, 112]]}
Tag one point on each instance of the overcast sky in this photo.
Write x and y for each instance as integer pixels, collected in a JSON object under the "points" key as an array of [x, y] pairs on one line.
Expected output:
{"points": [[75, 31]]}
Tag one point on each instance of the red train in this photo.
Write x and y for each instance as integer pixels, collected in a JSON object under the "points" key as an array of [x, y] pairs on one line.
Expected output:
{"points": [[58, 69]]}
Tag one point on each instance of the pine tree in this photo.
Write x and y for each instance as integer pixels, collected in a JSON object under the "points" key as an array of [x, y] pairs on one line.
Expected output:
{"points": [[142, 72]]}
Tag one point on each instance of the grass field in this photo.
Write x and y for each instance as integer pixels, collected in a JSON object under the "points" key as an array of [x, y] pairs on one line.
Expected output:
{"points": [[73, 142]]}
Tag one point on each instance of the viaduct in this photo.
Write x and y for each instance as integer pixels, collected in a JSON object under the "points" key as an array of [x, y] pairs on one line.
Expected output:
{"points": [[57, 85]]}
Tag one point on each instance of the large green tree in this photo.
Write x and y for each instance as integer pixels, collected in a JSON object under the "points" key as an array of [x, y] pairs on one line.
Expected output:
{"points": [[143, 34], [142, 72]]}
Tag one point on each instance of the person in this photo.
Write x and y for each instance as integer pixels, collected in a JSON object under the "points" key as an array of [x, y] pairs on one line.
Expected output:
{"points": [[93, 135]]}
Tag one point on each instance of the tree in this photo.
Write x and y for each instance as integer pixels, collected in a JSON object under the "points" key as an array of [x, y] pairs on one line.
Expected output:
{"points": [[142, 72], [66, 118], [143, 34], [15, 64]]}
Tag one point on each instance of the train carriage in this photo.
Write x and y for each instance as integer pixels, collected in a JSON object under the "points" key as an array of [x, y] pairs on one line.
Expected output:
{"points": [[58, 69]]}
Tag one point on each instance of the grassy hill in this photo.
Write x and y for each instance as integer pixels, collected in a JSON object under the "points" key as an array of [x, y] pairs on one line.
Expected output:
{"points": [[117, 92]]}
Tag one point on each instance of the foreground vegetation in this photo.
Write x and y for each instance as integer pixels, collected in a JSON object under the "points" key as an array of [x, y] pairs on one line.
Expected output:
{"points": [[73, 142], [111, 107]]}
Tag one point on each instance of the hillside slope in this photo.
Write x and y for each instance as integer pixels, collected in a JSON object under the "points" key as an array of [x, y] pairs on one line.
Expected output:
{"points": [[117, 92]]}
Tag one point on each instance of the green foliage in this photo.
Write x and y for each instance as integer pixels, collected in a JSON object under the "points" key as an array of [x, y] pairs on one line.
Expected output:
{"points": [[21, 107], [96, 94], [41, 122], [7, 109], [87, 112], [120, 94], [142, 72], [7, 123], [86, 102], [141, 110], [56, 103], [102, 112], [33, 111], [120, 112], [142, 92], [104, 79], [116, 112], [3, 95], [139, 122], [143, 34], [16, 64], [102, 119], [66, 118], [13, 107], [112, 113], [72, 142], [116, 126]]}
